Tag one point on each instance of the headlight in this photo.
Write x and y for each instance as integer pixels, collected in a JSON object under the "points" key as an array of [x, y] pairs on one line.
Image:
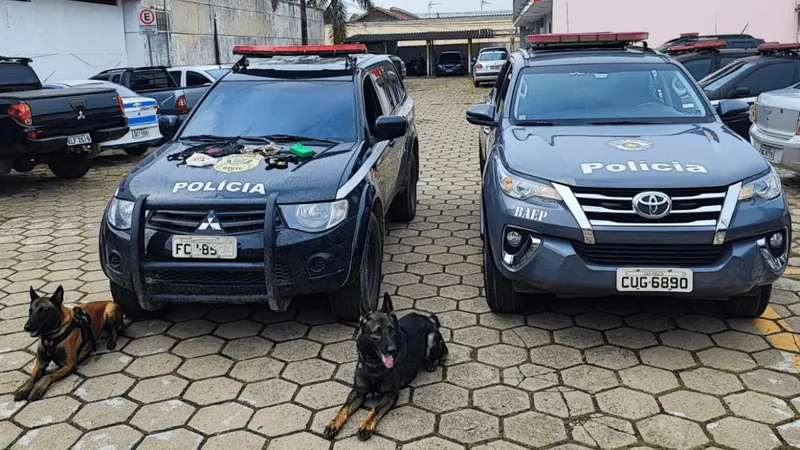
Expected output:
{"points": [[120, 213], [523, 189], [766, 187], [315, 217]]}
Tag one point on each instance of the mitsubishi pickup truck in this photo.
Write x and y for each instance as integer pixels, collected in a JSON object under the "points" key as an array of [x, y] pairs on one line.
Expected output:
{"points": [[607, 172], [60, 128]]}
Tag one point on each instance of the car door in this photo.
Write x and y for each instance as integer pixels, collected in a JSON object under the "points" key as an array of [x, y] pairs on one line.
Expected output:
{"points": [[377, 104], [499, 102], [768, 77]]}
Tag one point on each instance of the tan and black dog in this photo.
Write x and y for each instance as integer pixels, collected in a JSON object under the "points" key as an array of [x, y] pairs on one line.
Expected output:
{"points": [[67, 337]]}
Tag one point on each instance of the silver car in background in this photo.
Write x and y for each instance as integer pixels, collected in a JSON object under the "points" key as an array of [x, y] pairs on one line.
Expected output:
{"points": [[488, 65], [775, 132]]}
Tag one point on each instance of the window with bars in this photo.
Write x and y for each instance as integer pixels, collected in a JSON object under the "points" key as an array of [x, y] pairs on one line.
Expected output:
{"points": [[161, 21]]}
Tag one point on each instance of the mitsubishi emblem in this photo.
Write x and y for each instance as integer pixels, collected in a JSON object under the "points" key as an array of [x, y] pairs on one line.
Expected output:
{"points": [[210, 221], [81, 116]]}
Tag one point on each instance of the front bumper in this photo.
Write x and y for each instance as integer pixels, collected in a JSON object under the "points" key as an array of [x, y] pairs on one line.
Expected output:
{"points": [[273, 263], [564, 265], [786, 151]]}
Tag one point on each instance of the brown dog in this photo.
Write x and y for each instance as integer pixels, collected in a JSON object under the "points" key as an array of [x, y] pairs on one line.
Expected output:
{"points": [[67, 337]]}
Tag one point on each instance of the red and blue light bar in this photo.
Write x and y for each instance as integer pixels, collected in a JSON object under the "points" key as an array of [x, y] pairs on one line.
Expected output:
{"points": [[585, 38], [298, 50], [774, 46]]}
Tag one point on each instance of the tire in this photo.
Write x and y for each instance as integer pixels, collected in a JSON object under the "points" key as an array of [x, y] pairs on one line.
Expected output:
{"points": [[346, 302], [751, 304], [476, 83], [404, 206], [137, 151], [129, 303], [500, 294], [70, 166]]}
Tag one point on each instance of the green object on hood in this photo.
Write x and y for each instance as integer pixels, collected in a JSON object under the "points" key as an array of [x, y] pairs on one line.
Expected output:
{"points": [[301, 150]]}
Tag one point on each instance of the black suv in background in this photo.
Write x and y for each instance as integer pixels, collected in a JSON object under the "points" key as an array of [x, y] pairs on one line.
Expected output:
{"points": [[278, 184], [707, 57], [731, 40], [450, 63]]}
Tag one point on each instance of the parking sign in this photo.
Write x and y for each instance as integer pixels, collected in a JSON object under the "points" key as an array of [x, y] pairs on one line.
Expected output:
{"points": [[147, 21]]}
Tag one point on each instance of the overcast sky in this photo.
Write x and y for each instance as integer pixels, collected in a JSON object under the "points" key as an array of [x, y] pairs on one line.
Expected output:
{"points": [[421, 6]]}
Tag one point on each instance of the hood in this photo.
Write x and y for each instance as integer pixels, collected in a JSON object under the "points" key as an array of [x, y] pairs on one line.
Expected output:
{"points": [[640, 156], [314, 179], [788, 98]]}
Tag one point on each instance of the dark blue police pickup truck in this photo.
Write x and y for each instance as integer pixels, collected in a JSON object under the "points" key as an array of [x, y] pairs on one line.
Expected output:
{"points": [[607, 171], [277, 184]]}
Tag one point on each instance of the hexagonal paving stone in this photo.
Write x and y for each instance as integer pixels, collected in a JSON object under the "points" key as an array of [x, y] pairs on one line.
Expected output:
{"points": [[476, 336], [332, 332], [279, 420], [687, 340], [238, 329], [246, 348], [308, 371], [106, 386], [46, 411], [55, 437], [157, 389], [650, 322], [14, 360], [556, 356], [549, 321], [501, 321], [104, 364], [648, 379], [406, 423], [221, 418], [457, 319], [213, 390], [144, 328], [711, 381], [627, 403], [161, 416], [104, 413], [759, 407], [8, 433], [10, 381], [611, 357], [724, 359], [502, 355], [120, 437], [498, 400], [603, 431], [773, 383], [235, 439], [441, 397], [296, 350], [433, 443], [323, 395], [534, 429], [589, 378], [469, 426], [563, 402], [790, 432], [530, 377], [473, 375], [191, 328], [257, 369], [267, 393], [736, 340], [205, 367], [692, 405], [526, 337], [374, 443], [306, 441], [743, 434], [199, 346], [667, 358], [149, 345], [578, 337], [671, 432], [153, 365], [631, 338], [180, 439], [284, 331]]}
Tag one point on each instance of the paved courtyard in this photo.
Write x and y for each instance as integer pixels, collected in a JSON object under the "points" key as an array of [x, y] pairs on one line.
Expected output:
{"points": [[569, 375]]}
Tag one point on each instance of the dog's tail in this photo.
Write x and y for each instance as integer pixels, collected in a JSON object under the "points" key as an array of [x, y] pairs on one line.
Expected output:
{"points": [[435, 320]]}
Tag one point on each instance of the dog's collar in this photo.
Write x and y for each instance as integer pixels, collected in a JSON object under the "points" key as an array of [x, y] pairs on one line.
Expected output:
{"points": [[80, 319]]}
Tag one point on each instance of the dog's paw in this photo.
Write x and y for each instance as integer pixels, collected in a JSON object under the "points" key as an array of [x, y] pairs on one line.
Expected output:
{"points": [[37, 392], [22, 393], [331, 431], [364, 434]]}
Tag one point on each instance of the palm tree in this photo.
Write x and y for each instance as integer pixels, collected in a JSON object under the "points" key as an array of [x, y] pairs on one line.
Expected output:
{"points": [[335, 15]]}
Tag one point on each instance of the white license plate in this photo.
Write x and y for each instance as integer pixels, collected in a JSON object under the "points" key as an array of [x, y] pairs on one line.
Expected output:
{"points": [[204, 247], [655, 280], [140, 133], [79, 139], [768, 152]]}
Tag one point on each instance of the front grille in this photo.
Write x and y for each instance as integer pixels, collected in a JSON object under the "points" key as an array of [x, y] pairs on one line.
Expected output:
{"points": [[614, 207], [239, 278], [233, 221], [649, 255]]}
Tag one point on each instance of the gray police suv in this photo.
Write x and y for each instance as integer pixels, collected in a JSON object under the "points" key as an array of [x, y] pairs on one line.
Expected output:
{"points": [[607, 171]]}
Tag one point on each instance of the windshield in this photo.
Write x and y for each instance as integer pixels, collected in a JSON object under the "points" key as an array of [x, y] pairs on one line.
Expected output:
{"points": [[494, 56], [217, 73], [450, 58], [317, 109], [721, 77], [641, 93]]}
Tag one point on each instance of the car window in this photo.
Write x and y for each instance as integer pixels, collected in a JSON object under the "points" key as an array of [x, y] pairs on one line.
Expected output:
{"points": [[217, 73], [378, 75], [722, 76], [116, 78], [502, 92], [725, 60], [768, 78], [176, 76], [449, 58], [145, 80], [493, 56], [320, 109], [699, 68], [100, 77], [17, 77], [372, 104], [652, 93], [195, 79]]}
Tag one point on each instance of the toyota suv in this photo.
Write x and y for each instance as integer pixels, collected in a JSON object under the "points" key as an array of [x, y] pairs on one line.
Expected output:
{"points": [[606, 171]]}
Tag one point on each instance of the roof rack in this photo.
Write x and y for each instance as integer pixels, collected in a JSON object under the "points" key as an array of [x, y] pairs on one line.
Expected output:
{"points": [[330, 51], [584, 40], [19, 59], [775, 47], [120, 69]]}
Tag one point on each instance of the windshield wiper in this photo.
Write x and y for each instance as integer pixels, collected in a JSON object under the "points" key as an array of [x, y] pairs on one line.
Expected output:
{"points": [[620, 122], [206, 137], [537, 123], [297, 137]]}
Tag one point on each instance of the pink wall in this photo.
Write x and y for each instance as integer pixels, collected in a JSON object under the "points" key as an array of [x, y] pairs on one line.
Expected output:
{"points": [[772, 20]]}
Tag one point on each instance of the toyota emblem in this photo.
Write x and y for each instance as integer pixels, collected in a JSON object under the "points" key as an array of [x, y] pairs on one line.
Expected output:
{"points": [[652, 205]]}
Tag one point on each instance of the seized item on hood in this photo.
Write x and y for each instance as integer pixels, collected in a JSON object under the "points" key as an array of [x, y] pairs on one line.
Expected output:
{"points": [[237, 163], [281, 161], [213, 150], [200, 160], [301, 150], [264, 150]]}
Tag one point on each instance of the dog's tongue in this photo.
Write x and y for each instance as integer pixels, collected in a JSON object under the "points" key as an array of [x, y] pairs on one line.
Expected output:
{"points": [[388, 361]]}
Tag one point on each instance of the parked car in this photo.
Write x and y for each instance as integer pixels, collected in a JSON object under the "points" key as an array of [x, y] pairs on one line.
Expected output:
{"points": [[200, 221], [60, 128], [450, 63], [731, 40], [776, 66], [600, 179], [707, 57], [488, 65], [775, 132], [141, 112], [193, 76], [399, 65]]}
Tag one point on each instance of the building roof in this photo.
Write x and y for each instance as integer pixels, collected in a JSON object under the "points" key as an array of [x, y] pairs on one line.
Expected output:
{"points": [[484, 33], [465, 14], [395, 13]]}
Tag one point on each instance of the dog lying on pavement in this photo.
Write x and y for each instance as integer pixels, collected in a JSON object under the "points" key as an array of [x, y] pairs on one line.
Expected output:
{"points": [[67, 337], [390, 353]]}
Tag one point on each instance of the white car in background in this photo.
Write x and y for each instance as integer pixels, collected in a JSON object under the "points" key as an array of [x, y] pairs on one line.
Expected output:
{"points": [[488, 64], [775, 132], [191, 76], [142, 114]]}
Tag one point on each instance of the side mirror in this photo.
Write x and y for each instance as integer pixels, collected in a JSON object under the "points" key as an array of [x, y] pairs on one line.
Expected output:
{"points": [[168, 126], [481, 115], [731, 108], [741, 91], [390, 127]]}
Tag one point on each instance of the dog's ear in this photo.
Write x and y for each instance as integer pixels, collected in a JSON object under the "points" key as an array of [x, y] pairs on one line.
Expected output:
{"points": [[34, 295], [388, 308], [365, 310], [58, 296]]}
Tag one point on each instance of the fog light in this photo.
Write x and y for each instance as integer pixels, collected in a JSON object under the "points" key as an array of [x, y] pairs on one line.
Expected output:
{"points": [[776, 240], [514, 239]]}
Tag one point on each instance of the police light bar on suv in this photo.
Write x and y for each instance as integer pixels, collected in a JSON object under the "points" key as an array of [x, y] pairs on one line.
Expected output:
{"points": [[585, 38], [701, 45], [680, 48], [774, 46], [267, 51]]}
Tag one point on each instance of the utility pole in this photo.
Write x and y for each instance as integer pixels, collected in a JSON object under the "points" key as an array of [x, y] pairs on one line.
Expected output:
{"points": [[485, 2], [303, 22], [431, 4]]}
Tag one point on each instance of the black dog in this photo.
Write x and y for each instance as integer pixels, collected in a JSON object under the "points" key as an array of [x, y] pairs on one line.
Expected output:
{"points": [[390, 353]]}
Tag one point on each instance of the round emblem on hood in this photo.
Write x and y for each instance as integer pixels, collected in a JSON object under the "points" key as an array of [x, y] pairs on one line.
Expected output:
{"points": [[652, 205], [631, 145]]}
